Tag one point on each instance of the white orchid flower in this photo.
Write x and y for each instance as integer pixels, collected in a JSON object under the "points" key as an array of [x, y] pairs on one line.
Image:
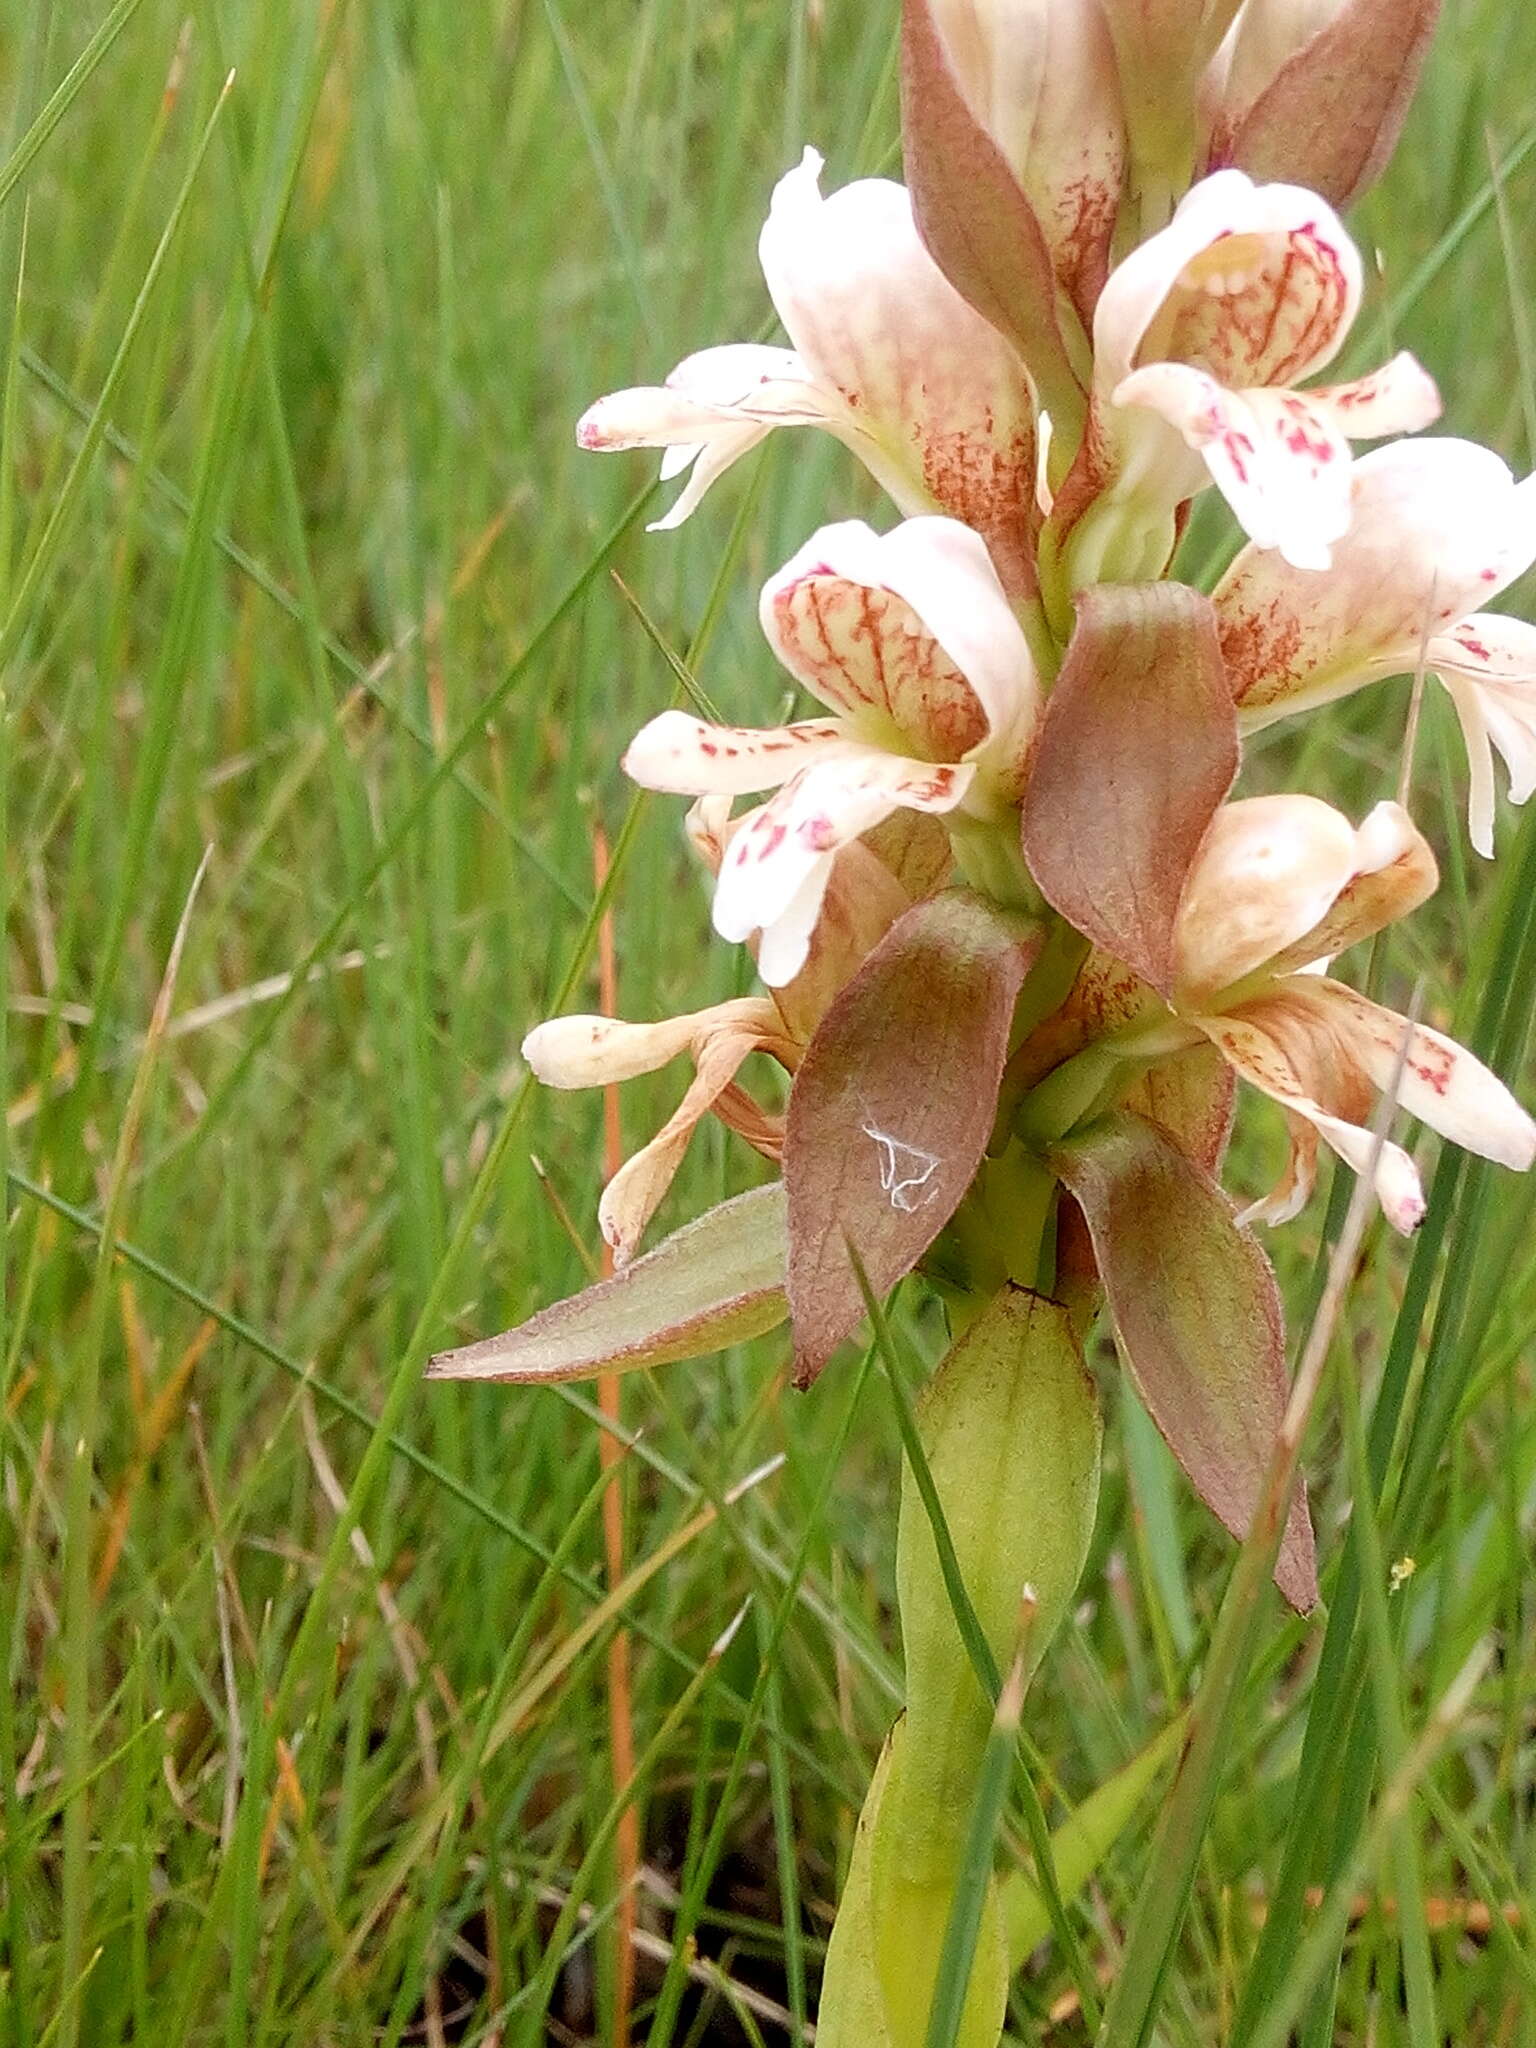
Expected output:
{"points": [[1208, 328], [885, 355], [1438, 527], [1282, 884], [908, 639]]}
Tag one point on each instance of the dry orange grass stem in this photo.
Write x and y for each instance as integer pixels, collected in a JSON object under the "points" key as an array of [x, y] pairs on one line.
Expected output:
{"points": [[621, 1735]]}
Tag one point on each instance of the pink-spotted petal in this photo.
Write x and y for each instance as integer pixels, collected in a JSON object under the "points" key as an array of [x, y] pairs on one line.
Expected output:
{"points": [[776, 869], [1436, 528], [684, 756], [715, 407], [1488, 665], [1399, 398], [1292, 1073], [1280, 465], [1438, 1081], [1255, 284]]}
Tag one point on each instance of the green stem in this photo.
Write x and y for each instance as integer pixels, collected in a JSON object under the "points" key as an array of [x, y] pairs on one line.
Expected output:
{"points": [[998, 1499], [992, 861], [1070, 1092]]}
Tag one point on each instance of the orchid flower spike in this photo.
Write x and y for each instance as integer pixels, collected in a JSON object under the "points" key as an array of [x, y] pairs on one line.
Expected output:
{"points": [[909, 641], [1200, 338], [1283, 883], [1438, 527], [884, 354]]}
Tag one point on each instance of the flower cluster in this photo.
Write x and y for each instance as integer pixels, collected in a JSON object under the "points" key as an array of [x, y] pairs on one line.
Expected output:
{"points": [[933, 647], [1018, 937]]}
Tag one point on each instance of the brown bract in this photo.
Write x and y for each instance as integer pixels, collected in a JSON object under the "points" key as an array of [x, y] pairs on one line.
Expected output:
{"points": [[717, 1281], [1137, 750], [975, 219], [1197, 1314], [1331, 116], [892, 1107]]}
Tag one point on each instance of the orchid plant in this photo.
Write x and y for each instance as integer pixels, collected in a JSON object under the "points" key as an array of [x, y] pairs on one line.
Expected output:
{"points": [[1017, 938]]}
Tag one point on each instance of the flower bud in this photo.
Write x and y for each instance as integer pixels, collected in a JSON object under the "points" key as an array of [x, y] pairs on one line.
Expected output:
{"points": [[1315, 91], [1039, 78]]}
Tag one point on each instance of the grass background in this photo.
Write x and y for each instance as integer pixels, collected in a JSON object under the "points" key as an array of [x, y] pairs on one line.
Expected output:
{"points": [[300, 569]]}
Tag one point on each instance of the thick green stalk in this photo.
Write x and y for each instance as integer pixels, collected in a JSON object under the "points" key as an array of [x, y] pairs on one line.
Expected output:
{"points": [[1009, 1434]]}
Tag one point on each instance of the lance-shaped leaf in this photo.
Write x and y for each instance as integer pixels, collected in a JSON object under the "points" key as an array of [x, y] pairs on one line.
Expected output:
{"points": [[975, 219], [1138, 748], [1198, 1317], [717, 1281], [1330, 117], [892, 1106], [1081, 1842]]}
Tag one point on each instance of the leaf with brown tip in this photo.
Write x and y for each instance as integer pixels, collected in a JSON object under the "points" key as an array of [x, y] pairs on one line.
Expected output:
{"points": [[1197, 1315], [892, 1107], [1137, 749], [717, 1281]]}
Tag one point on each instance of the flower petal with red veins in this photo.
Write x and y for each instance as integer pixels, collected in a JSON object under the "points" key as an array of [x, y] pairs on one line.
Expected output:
{"points": [[685, 756], [1255, 284], [912, 625], [1437, 527], [932, 398], [1399, 398], [779, 862], [1039, 77]]}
